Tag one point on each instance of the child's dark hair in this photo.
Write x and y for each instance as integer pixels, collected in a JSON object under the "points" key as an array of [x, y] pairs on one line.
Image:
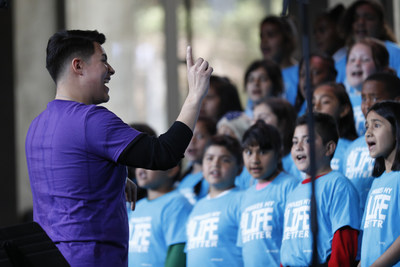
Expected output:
{"points": [[349, 16], [390, 81], [325, 126], [286, 28], [346, 125], [209, 124], [230, 143], [274, 73], [286, 116], [265, 136], [227, 93], [66, 44], [331, 76], [390, 110]]}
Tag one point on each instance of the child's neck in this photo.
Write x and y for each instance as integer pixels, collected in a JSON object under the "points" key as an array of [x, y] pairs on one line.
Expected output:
{"points": [[270, 178], [389, 160], [215, 192], [153, 194], [196, 168], [321, 171]]}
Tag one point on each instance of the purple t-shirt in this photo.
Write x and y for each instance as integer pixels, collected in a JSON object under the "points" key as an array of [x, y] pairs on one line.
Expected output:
{"points": [[77, 186]]}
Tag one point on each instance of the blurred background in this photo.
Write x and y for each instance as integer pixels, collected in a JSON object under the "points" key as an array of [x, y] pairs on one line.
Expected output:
{"points": [[146, 45]]}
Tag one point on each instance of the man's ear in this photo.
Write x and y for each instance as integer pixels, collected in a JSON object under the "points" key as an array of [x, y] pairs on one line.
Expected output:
{"points": [[330, 148], [77, 65]]}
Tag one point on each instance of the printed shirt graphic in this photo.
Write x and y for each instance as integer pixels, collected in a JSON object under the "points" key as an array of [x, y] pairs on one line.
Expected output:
{"points": [[155, 225], [212, 231], [340, 155], [261, 225], [337, 206], [381, 217], [358, 166]]}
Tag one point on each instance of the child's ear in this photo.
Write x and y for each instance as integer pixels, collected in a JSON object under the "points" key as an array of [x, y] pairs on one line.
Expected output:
{"points": [[330, 148]]}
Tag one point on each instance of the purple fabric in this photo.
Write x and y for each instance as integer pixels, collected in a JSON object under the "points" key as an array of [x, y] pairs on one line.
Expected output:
{"points": [[77, 186]]}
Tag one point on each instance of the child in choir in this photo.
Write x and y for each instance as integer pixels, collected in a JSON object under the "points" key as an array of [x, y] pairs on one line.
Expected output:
{"points": [[364, 58], [358, 164], [278, 43], [380, 224], [214, 221], [279, 113], [322, 69], [337, 210], [262, 206], [222, 97], [262, 79], [331, 98], [192, 185], [366, 18], [157, 227]]}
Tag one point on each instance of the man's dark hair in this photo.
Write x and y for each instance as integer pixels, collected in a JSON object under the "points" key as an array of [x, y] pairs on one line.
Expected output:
{"points": [[65, 45]]}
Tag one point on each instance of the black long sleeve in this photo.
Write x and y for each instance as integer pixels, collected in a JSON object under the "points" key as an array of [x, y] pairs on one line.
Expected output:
{"points": [[162, 153]]}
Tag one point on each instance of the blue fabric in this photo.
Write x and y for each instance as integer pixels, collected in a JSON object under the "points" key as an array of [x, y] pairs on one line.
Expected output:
{"points": [[340, 67], [337, 206], [212, 231], [77, 186], [381, 217], [154, 226], [261, 225], [244, 180], [359, 119], [290, 77], [358, 166], [340, 155], [394, 56], [186, 187]]}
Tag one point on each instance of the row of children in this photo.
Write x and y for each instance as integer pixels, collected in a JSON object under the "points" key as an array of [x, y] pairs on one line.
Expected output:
{"points": [[348, 75], [269, 223]]}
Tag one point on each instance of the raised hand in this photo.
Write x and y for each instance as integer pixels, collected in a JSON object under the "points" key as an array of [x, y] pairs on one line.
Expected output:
{"points": [[198, 74]]}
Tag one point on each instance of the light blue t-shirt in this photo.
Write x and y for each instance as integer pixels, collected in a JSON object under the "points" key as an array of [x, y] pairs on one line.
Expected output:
{"points": [[337, 206], [261, 225], [212, 231], [340, 154], [154, 226], [381, 217], [358, 166], [290, 76], [188, 183], [244, 180]]}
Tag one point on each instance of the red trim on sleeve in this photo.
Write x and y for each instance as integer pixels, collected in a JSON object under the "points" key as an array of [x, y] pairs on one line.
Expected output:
{"points": [[344, 247]]}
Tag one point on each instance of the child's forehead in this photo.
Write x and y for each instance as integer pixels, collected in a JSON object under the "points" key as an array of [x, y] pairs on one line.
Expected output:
{"points": [[302, 130], [373, 86], [218, 149]]}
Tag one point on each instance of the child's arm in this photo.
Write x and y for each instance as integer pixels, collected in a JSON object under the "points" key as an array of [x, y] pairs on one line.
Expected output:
{"points": [[344, 247], [391, 256], [176, 255]]}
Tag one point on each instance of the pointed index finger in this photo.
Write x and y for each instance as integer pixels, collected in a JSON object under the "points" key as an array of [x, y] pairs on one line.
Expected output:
{"points": [[189, 59]]}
